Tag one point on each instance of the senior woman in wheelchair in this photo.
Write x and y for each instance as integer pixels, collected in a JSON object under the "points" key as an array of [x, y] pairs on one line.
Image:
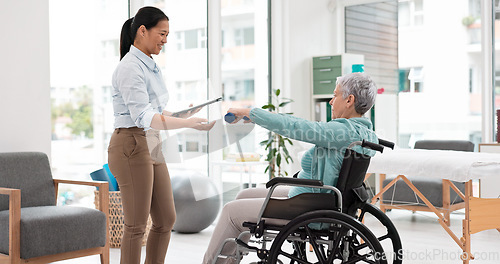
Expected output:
{"points": [[353, 96]]}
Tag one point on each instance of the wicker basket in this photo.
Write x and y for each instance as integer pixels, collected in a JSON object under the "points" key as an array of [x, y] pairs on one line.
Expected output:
{"points": [[116, 219]]}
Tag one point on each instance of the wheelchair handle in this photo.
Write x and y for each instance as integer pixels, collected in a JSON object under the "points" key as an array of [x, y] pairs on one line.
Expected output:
{"points": [[386, 143], [373, 146]]}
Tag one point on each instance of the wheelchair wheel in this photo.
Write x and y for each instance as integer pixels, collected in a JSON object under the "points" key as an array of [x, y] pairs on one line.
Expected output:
{"points": [[335, 238], [387, 235]]}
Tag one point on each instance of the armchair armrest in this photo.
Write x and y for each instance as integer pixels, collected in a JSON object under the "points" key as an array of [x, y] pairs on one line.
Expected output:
{"points": [[14, 221], [103, 191], [89, 183]]}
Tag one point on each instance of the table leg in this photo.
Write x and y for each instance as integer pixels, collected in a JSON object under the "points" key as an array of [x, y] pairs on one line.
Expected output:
{"points": [[446, 201], [381, 186], [467, 255]]}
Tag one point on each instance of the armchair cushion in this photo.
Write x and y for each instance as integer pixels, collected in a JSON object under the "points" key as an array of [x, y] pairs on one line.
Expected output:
{"points": [[30, 172], [47, 230]]}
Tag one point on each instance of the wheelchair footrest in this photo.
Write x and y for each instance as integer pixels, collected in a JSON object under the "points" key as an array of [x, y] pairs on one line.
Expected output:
{"points": [[261, 253]]}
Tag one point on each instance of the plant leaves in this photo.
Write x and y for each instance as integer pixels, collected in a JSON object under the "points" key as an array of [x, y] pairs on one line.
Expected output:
{"points": [[266, 106], [266, 142], [269, 106], [283, 104], [286, 152]]}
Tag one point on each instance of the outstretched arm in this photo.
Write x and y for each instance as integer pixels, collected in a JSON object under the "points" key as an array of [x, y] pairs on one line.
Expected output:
{"points": [[319, 133], [162, 122]]}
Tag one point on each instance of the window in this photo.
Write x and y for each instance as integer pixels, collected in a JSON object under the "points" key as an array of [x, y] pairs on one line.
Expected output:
{"points": [[438, 99], [191, 39], [82, 116], [411, 80], [244, 36], [244, 80], [475, 8], [416, 79], [111, 48], [496, 68], [411, 13]]}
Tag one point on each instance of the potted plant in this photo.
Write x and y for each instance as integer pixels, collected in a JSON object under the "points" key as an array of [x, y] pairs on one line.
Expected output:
{"points": [[276, 145]]}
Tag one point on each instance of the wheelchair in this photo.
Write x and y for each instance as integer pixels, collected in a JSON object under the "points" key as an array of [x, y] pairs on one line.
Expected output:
{"points": [[324, 227]]}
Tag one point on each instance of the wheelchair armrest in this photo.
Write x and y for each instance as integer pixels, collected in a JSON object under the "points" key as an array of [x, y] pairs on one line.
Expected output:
{"points": [[294, 181]]}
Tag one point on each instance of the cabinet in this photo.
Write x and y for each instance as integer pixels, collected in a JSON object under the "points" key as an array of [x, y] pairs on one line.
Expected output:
{"points": [[324, 72]]}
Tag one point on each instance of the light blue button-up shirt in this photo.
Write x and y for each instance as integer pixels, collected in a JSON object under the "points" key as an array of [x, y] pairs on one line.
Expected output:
{"points": [[139, 91]]}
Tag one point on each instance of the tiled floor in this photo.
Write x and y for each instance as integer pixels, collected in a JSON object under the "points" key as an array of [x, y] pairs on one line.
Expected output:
{"points": [[424, 241]]}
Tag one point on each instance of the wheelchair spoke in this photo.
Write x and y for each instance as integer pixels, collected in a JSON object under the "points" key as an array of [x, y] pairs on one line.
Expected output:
{"points": [[319, 253], [360, 247], [300, 248], [336, 243], [360, 258], [293, 258]]}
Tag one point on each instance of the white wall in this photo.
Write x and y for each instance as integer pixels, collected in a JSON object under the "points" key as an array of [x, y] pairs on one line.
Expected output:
{"points": [[301, 29], [25, 76]]}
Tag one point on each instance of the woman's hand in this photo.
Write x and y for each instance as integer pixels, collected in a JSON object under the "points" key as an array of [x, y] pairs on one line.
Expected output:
{"points": [[201, 123], [240, 113]]}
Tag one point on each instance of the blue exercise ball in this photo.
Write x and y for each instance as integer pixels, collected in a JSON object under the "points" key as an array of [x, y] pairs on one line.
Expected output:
{"points": [[197, 201]]}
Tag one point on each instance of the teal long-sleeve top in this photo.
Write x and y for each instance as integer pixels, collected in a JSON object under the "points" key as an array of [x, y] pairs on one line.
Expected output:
{"points": [[331, 139]]}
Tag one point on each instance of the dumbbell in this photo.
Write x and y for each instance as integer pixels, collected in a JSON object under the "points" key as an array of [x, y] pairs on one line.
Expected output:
{"points": [[230, 117]]}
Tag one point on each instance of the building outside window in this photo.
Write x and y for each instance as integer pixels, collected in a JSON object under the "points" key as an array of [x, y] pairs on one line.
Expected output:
{"points": [[82, 116], [440, 71], [411, 13]]}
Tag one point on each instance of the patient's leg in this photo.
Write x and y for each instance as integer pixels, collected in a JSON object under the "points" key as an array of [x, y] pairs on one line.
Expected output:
{"points": [[230, 225], [281, 191]]}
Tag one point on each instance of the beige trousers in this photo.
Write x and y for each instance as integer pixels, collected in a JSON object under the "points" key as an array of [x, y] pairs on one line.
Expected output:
{"points": [[136, 161]]}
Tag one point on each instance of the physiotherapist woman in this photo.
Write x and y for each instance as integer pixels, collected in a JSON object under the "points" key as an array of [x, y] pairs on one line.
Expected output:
{"points": [[135, 157]]}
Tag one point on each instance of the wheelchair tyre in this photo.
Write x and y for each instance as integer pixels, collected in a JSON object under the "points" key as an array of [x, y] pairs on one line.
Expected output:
{"points": [[346, 240], [390, 233]]}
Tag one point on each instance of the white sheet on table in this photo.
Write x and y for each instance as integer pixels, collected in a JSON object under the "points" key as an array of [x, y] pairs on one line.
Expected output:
{"points": [[443, 164]]}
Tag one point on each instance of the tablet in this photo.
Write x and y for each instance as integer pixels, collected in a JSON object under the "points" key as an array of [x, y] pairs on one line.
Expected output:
{"points": [[196, 106]]}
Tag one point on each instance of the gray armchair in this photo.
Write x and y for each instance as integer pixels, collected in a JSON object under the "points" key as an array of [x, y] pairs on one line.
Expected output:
{"points": [[32, 228], [436, 190]]}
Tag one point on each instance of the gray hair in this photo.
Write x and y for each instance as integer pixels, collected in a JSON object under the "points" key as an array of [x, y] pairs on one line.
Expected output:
{"points": [[362, 87]]}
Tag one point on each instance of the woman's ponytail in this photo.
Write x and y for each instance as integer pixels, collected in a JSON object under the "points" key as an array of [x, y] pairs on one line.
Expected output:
{"points": [[126, 38]]}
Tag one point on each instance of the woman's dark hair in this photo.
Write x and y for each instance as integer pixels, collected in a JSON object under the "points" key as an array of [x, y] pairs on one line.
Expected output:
{"points": [[148, 16]]}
